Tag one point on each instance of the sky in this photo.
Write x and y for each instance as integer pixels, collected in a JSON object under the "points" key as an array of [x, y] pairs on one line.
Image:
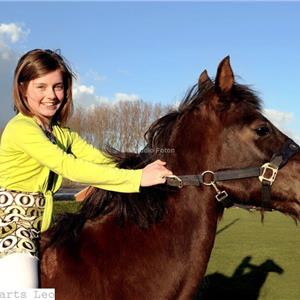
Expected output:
{"points": [[155, 51]]}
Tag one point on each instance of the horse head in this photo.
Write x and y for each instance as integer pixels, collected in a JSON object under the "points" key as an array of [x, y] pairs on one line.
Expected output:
{"points": [[221, 128]]}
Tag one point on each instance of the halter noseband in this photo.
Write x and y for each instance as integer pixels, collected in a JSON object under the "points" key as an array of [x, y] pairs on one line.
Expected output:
{"points": [[266, 175]]}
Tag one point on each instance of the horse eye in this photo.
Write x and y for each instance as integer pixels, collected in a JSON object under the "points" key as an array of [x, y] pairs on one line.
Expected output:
{"points": [[262, 131]]}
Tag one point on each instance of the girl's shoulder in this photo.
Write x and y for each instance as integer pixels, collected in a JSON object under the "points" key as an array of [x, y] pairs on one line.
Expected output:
{"points": [[20, 128], [20, 123]]}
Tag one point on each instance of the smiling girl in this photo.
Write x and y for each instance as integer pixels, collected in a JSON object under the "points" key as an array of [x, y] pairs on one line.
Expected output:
{"points": [[36, 152]]}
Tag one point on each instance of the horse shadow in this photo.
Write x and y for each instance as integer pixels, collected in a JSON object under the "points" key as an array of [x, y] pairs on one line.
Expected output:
{"points": [[245, 282]]}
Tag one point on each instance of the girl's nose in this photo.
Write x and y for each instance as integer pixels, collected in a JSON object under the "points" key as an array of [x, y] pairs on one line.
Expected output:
{"points": [[51, 93]]}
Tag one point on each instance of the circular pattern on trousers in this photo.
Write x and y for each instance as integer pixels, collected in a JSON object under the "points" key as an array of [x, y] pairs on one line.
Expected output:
{"points": [[6, 199], [40, 202], [33, 212], [23, 233], [7, 230], [25, 200], [37, 224], [14, 213], [8, 243], [15, 210], [27, 245]]}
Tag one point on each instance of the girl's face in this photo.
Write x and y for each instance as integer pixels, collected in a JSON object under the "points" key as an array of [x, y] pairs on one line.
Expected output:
{"points": [[45, 94]]}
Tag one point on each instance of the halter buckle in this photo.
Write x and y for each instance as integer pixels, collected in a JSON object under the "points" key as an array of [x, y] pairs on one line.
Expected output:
{"points": [[174, 180], [221, 196], [264, 177]]}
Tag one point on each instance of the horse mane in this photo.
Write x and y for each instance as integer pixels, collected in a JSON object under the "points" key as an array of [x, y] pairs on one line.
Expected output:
{"points": [[148, 206]]}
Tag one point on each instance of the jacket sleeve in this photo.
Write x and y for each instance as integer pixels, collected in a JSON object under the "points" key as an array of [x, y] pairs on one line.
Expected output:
{"points": [[81, 149], [30, 139]]}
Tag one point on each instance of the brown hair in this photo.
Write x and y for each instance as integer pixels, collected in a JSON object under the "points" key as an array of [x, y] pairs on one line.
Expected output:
{"points": [[37, 63]]}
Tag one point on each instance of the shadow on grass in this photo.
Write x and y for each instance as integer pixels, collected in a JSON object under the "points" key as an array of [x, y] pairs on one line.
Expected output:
{"points": [[245, 282]]}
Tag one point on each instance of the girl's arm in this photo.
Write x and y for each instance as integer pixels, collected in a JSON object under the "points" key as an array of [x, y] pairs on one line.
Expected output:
{"points": [[28, 138]]}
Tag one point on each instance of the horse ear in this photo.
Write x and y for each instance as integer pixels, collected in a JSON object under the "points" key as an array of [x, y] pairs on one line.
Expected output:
{"points": [[204, 79], [225, 77]]}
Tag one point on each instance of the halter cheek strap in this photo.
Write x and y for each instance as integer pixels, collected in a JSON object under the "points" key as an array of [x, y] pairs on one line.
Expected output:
{"points": [[266, 174]]}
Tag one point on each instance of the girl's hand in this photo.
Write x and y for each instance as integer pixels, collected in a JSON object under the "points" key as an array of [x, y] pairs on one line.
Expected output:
{"points": [[155, 173]]}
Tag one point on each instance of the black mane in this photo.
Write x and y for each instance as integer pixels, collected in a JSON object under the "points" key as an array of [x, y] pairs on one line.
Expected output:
{"points": [[148, 206]]}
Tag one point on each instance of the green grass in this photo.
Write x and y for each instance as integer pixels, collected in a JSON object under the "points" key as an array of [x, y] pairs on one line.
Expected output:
{"points": [[241, 234], [65, 206], [277, 239]]}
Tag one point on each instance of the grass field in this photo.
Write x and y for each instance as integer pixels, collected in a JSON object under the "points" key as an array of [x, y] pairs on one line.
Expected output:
{"points": [[250, 260], [267, 255]]}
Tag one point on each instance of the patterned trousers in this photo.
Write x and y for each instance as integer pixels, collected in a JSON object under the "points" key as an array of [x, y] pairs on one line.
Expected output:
{"points": [[20, 222]]}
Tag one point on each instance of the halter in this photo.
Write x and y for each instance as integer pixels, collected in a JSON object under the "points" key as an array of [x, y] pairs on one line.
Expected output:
{"points": [[265, 173]]}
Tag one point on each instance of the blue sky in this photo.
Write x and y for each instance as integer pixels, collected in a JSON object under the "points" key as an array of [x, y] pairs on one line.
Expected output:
{"points": [[156, 50]]}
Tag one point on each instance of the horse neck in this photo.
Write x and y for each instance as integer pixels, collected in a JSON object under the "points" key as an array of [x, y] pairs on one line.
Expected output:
{"points": [[195, 207], [192, 218]]}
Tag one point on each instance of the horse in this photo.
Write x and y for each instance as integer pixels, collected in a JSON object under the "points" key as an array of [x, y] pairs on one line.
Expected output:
{"points": [[156, 244]]}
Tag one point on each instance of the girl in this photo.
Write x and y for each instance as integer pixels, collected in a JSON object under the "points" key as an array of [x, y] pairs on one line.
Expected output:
{"points": [[36, 152]]}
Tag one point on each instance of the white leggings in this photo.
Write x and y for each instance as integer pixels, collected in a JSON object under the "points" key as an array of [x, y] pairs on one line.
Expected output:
{"points": [[19, 270]]}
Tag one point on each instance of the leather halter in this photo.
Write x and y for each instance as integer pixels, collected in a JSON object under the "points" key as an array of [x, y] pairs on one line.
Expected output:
{"points": [[265, 173]]}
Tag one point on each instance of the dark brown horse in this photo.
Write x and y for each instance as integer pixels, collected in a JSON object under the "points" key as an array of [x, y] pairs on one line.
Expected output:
{"points": [[156, 244]]}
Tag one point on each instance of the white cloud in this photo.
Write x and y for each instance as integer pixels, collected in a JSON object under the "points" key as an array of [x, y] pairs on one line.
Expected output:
{"points": [[118, 97], [279, 118], [83, 89], [10, 34], [284, 121], [86, 96]]}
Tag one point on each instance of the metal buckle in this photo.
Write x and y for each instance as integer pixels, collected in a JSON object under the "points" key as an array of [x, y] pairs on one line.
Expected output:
{"points": [[221, 195], [212, 179], [264, 169], [174, 180]]}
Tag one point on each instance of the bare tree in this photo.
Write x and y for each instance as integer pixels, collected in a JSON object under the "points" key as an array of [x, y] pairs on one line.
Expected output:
{"points": [[121, 125]]}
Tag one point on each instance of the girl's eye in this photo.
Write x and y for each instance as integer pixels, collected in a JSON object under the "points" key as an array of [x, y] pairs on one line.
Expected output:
{"points": [[262, 131], [59, 88]]}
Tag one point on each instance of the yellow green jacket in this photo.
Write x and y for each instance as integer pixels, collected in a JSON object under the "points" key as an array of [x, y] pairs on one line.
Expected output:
{"points": [[27, 156]]}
